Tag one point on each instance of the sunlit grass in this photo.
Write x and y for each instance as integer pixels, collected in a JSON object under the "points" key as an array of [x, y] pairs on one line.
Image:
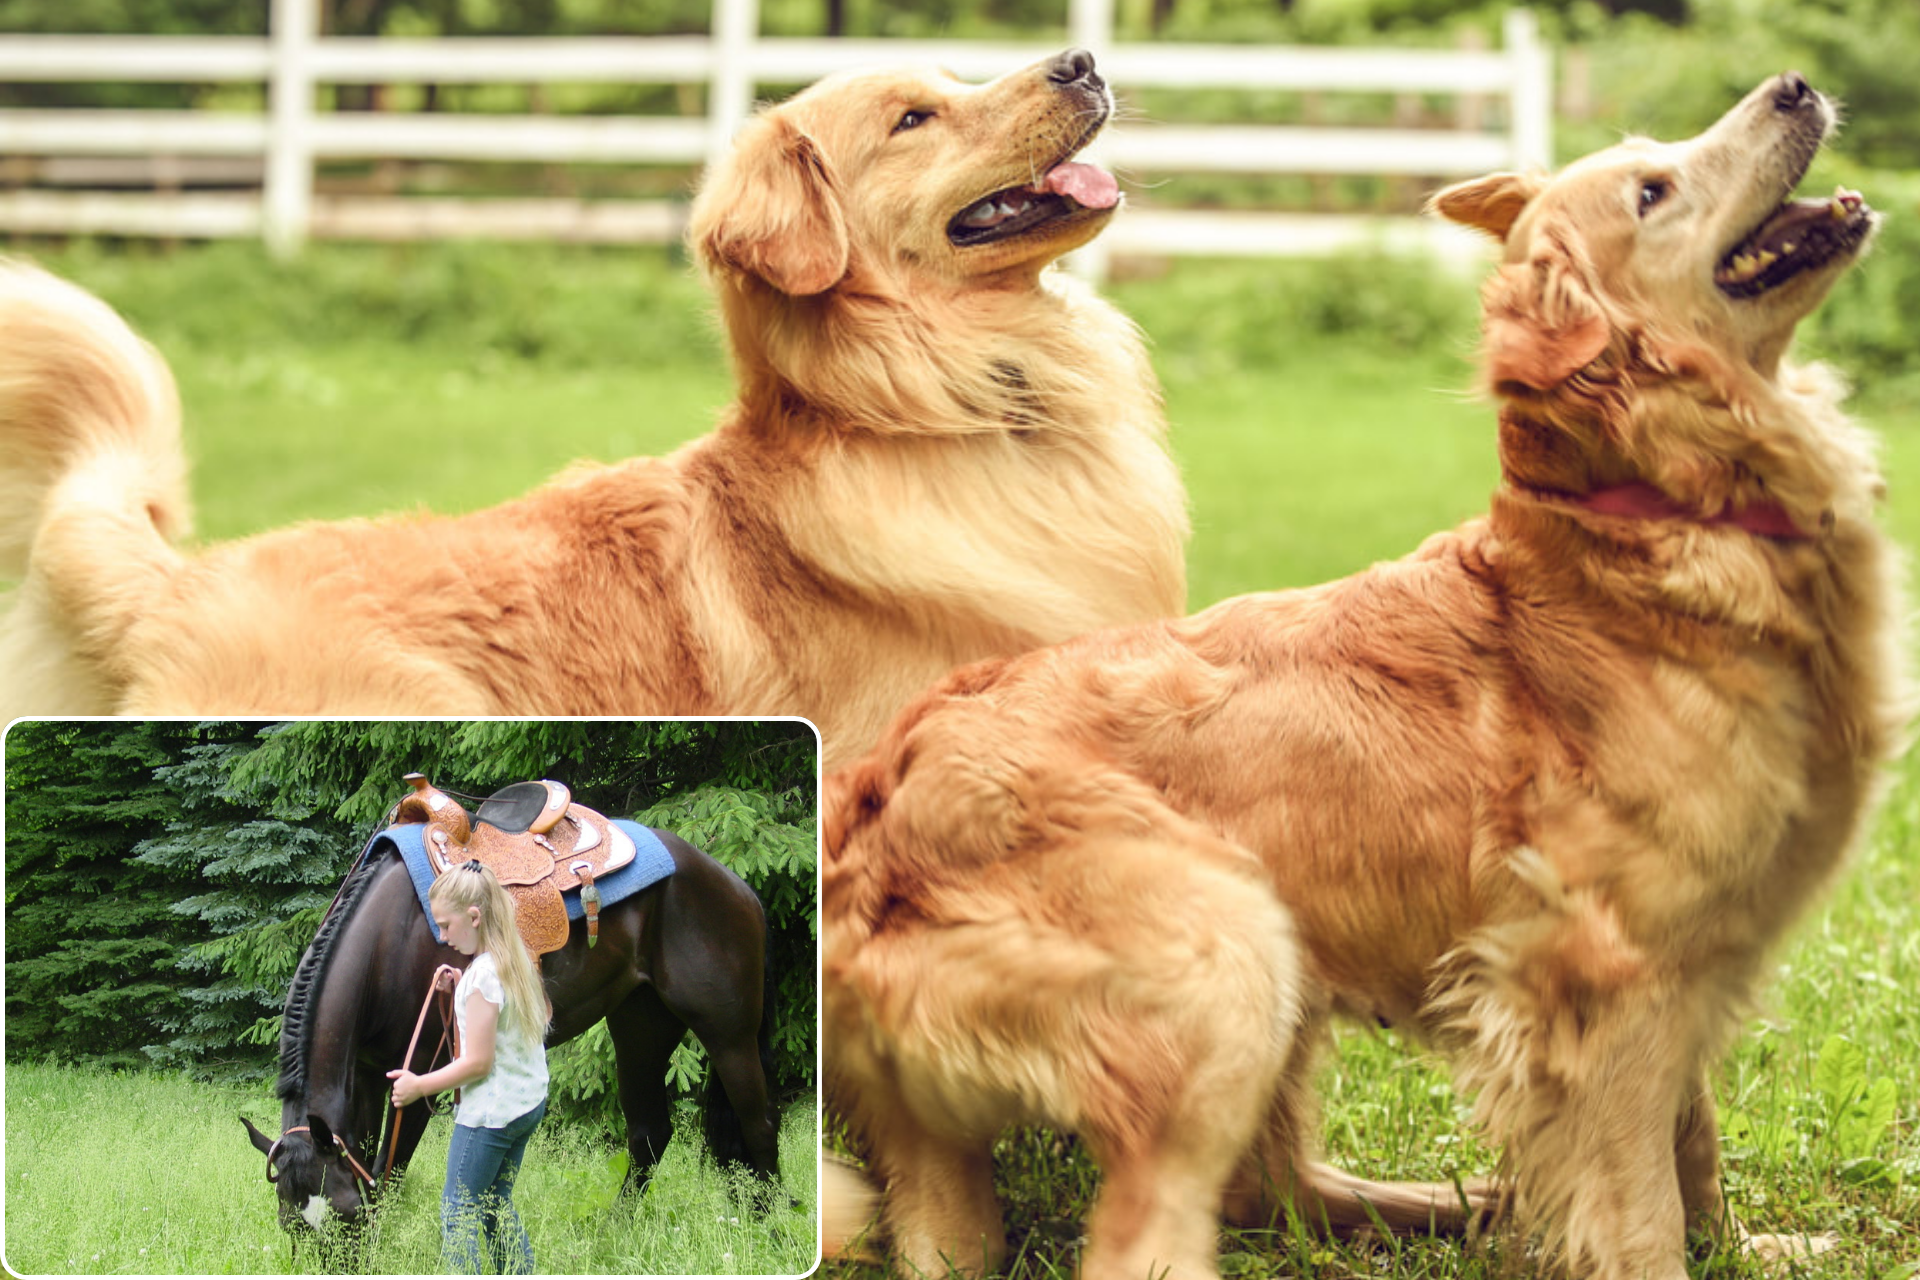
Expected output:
{"points": [[129, 1173]]}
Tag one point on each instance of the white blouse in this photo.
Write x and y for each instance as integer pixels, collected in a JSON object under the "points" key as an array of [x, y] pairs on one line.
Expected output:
{"points": [[518, 1081]]}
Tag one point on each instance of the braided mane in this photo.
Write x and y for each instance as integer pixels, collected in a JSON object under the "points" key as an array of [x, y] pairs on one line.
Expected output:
{"points": [[296, 1024]]}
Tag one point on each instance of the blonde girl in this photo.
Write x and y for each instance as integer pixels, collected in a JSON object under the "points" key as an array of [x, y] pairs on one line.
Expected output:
{"points": [[503, 1015]]}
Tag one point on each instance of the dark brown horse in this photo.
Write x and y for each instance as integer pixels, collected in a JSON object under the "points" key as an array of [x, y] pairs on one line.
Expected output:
{"points": [[687, 953]]}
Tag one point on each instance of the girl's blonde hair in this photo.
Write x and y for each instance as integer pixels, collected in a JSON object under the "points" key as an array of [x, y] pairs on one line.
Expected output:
{"points": [[471, 885]]}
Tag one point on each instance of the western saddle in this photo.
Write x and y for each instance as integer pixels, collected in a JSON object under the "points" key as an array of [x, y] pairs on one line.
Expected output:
{"points": [[534, 839]]}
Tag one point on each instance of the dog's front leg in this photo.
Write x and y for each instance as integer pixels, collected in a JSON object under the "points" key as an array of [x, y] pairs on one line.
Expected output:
{"points": [[1590, 1123], [941, 1212]]}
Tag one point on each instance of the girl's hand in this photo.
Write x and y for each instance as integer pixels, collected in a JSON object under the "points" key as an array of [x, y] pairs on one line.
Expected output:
{"points": [[406, 1087]]}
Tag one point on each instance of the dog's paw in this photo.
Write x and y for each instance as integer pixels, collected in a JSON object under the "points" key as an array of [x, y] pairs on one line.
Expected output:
{"points": [[849, 1205], [1778, 1250]]}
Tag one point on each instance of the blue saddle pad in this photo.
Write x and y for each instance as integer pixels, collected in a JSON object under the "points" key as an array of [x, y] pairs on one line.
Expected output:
{"points": [[651, 864]]}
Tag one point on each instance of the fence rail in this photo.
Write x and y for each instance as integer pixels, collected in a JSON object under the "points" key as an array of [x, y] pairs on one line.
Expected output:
{"points": [[733, 64]]}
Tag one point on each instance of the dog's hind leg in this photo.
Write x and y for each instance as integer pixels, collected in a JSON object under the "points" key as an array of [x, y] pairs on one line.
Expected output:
{"points": [[1697, 1161], [1282, 1182]]}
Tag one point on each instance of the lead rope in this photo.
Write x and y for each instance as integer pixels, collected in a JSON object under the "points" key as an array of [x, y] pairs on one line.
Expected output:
{"points": [[449, 1039]]}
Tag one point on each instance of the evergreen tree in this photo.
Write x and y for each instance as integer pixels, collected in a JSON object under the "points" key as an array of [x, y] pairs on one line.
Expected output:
{"points": [[93, 940]]}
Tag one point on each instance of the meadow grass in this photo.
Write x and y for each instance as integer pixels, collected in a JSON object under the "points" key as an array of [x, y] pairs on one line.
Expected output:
{"points": [[125, 1173], [1322, 420]]}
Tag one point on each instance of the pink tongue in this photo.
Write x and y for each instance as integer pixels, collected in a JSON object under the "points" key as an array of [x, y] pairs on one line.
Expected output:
{"points": [[1084, 184]]}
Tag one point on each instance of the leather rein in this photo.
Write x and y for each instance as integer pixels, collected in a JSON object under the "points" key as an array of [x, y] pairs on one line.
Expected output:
{"points": [[390, 1121]]}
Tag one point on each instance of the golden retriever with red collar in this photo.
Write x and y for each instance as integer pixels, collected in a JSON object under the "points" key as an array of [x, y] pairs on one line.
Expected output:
{"points": [[1543, 793], [941, 450]]}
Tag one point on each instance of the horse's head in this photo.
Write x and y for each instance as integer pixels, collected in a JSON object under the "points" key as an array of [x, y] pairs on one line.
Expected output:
{"points": [[315, 1175]]}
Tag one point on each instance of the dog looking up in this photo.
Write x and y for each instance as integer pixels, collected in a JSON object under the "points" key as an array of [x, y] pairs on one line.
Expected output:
{"points": [[940, 450], [1543, 794]]}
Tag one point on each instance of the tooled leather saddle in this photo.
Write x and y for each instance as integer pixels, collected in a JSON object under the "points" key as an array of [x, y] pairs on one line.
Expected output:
{"points": [[535, 840]]}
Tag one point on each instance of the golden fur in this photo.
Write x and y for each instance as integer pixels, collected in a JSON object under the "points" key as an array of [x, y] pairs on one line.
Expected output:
{"points": [[937, 453], [1542, 794]]}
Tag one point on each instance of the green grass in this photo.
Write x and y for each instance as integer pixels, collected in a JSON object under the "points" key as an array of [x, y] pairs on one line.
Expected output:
{"points": [[1320, 417], [141, 1174]]}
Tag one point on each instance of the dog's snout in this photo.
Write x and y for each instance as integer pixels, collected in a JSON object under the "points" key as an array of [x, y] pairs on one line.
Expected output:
{"points": [[1791, 92], [1071, 67]]}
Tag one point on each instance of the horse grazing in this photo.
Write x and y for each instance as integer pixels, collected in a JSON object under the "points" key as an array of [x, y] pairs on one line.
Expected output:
{"points": [[686, 953]]}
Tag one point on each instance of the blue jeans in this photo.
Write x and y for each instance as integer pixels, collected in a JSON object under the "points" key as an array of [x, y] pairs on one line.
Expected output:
{"points": [[481, 1164]]}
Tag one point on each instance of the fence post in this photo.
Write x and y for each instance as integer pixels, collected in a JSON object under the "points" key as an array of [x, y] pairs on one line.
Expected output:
{"points": [[1090, 26], [736, 26], [1532, 101], [287, 200]]}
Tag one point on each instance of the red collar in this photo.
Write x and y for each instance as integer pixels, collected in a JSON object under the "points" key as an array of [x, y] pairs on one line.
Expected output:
{"points": [[1638, 500]]}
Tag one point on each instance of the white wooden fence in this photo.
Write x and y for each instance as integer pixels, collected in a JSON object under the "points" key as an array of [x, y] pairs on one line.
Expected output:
{"points": [[284, 143]]}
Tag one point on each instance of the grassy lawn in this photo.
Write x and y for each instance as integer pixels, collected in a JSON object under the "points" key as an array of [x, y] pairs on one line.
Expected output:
{"points": [[129, 1174], [1317, 436]]}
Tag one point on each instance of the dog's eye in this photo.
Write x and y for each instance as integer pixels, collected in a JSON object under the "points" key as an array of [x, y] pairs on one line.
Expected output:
{"points": [[1652, 192], [912, 120]]}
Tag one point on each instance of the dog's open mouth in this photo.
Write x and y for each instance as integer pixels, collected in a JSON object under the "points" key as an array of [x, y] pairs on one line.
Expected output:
{"points": [[1064, 190], [1799, 236]]}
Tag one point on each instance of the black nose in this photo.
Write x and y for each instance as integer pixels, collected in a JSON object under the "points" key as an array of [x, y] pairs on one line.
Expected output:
{"points": [[1791, 92], [1071, 67]]}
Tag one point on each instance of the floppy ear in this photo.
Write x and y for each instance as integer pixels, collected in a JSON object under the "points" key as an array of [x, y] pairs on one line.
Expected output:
{"points": [[1491, 204], [769, 209], [1539, 324]]}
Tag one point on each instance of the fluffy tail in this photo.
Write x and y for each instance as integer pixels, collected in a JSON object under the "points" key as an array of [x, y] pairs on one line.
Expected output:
{"points": [[92, 489]]}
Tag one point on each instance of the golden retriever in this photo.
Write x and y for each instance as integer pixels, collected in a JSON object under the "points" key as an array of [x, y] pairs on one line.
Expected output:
{"points": [[1542, 794], [940, 451]]}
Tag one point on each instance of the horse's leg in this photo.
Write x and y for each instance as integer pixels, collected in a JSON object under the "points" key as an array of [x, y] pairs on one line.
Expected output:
{"points": [[711, 971], [645, 1034], [737, 1064]]}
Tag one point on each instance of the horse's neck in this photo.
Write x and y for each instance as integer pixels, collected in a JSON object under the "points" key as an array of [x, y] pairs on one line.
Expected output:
{"points": [[371, 967]]}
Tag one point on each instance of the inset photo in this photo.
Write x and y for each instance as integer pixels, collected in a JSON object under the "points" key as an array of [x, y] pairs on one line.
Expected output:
{"points": [[410, 997]]}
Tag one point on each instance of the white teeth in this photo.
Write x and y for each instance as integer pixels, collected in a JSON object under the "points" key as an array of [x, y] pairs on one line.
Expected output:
{"points": [[993, 211]]}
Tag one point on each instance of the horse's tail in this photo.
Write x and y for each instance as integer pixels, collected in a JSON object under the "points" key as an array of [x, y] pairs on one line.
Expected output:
{"points": [[726, 1138], [92, 489]]}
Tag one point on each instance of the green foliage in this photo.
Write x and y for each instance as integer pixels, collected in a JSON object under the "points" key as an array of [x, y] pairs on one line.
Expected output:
{"points": [[1209, 319], [1671, 82], [1859, 1111]]}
